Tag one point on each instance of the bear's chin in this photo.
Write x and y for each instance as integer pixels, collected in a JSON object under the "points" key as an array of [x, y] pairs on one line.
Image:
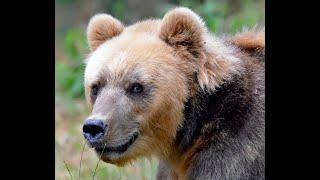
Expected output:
{"points": [[118, 160]]}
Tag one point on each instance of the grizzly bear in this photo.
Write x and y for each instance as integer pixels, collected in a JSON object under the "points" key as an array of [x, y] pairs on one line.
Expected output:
{"points": [[171, 89]]}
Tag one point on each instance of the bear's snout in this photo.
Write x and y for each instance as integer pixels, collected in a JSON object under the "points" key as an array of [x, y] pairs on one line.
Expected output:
{"points": [[94, 130]]}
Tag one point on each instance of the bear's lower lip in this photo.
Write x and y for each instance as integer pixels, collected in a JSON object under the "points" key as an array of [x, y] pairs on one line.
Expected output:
{"points": [[118, 149]]}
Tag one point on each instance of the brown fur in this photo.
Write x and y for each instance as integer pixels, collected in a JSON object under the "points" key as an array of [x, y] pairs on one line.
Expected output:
{"points": [[251, 41]]}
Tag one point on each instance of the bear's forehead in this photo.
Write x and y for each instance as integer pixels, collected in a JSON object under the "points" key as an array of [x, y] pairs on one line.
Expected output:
{"points": [[124, 53]]}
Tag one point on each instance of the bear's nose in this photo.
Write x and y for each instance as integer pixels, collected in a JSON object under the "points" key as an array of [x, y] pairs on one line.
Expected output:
{"points": [[93, 129]]}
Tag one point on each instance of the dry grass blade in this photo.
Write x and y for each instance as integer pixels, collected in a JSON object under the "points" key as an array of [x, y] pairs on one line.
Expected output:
{"points": [[95, 170], [65, 164], [84, 145]]}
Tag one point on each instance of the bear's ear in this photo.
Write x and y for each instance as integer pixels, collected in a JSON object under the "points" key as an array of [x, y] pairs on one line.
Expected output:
{"points": [[101, 28], [183, 29]]}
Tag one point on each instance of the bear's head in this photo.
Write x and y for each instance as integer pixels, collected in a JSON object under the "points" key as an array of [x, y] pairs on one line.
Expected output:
{"points": [[138, 78]]}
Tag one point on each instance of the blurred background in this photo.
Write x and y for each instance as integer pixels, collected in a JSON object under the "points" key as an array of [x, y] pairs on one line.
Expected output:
{"points": [[71, 18]]}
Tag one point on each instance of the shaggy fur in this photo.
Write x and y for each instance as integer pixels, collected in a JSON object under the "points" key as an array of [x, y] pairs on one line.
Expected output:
{"points": [[202, 109]]}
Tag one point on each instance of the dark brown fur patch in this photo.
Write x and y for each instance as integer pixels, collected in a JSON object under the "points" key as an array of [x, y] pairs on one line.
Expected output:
{"points": [[210, 118]]}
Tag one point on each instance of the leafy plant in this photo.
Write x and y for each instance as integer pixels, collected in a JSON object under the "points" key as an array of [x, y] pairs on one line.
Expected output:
{"points": [[69, 73]]}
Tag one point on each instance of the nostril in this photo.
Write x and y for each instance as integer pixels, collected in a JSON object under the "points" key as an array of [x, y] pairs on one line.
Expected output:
{"points": [[92, 130], [93, 127]]}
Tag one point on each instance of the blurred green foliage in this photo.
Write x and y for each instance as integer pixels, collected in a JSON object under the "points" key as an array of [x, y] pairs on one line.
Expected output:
{"points": [[69, 76]]}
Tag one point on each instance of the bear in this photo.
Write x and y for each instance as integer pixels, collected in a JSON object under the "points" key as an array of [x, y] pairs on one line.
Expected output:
{"points": [[172, 89]]}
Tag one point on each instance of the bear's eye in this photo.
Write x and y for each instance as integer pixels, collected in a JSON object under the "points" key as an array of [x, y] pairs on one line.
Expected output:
{"points": [[95, 90], [136, 88]]}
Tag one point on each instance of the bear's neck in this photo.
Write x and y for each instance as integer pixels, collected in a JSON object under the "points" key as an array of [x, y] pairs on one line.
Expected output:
{"points": [[212, 117], [210, 114]]}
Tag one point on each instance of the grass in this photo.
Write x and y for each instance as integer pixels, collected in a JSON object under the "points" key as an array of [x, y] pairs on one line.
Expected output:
{"points": [[71, 177]]}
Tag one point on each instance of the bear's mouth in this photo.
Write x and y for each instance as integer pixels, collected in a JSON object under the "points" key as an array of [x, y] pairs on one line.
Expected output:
{"points": [[118, 149]]}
